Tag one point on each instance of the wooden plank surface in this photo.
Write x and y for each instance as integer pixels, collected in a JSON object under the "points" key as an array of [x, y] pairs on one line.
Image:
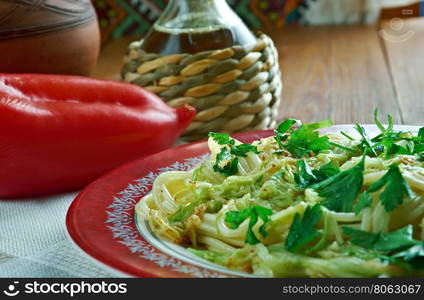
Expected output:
{"points": [[336, 73], [111, 59], [404, 44]]}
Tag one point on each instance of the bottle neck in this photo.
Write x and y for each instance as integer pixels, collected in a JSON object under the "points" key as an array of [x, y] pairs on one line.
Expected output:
{"points": [[199, 5], [192, 26], [196, 15]]}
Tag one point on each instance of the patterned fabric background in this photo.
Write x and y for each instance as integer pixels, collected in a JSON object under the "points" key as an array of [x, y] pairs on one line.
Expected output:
{"points": [[134, 17]]}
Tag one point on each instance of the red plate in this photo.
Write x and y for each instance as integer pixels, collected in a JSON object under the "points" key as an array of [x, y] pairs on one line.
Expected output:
{"points": [[101, 219]]}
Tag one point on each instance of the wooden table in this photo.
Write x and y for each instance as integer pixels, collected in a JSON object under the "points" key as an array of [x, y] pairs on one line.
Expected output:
{"points": [[338, 72]]}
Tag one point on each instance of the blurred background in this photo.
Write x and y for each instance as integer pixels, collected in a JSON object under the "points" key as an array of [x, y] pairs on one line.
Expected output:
{"points": [[68, 31], [118, 18], [337, 57]]}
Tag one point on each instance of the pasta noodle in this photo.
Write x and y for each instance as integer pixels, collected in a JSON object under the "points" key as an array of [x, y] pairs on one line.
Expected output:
{"points": [[244, 220]]}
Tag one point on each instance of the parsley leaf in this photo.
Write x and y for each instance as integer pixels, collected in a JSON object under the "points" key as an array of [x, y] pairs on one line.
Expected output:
{"points": [[221, 138], [347, 136], [395, 188], [280, 132], [421, 133], [306, 177], [391, 148], [366, 142], [263, 214], [235, 218], [394, 240], [414, 256], [302, 230], [399, 244], [384, 242], [326, 171], [390, 142], [419, 148], [361, 238], [242, 149], [419, 144], [337, 197], [365, 200], [377, 121], [342, 147], [306, 139], [230, 168], [380, 126]]}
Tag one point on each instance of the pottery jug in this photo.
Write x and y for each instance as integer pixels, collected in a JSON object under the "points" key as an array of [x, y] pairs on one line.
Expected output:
{"points": [[48, 36]]}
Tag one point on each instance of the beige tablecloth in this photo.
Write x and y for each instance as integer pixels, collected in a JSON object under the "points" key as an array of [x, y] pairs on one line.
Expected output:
{"points": [[34, 240]]}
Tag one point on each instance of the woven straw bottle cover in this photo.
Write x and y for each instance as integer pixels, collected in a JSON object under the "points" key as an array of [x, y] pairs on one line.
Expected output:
{"points": [[200, 53]]}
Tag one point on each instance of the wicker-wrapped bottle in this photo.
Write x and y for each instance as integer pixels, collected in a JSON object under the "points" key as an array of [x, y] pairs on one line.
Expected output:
{"points": [[199, 52]]}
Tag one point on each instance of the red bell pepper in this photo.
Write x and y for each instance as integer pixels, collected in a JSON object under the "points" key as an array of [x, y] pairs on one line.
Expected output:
{"points": [[58, 133]]}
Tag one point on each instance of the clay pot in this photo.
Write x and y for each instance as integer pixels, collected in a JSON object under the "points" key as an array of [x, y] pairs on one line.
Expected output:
{"points": [[48, 36]]}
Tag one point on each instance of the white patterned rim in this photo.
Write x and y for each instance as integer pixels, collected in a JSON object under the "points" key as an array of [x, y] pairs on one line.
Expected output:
{"points": [[160, 252], [180, 252], [164, 254]]}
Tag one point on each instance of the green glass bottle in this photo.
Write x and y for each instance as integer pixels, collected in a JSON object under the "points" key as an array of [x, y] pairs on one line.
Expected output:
{"points": [[191, 26]]}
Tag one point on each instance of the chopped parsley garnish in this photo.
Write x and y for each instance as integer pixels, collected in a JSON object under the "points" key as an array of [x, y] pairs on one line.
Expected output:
{"points": [[242, 149], [302, 230], [384, 242], [419, 149], [342, 147], [235, 218], [222, 138], [229, 153], [396, 247], [326, 171], [380, 126], [419, 142], [391, 148], [395, 188], [280, 132], [421, 133], [390, 142], [366, 142], [365, 200], [306, 177], [230, 168], [347, 136], [361, 238], [340, 190], [304, 140], [414, 256]]}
